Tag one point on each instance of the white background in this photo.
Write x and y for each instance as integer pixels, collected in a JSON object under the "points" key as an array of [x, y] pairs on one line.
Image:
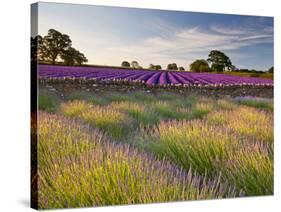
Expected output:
{"points": [[15, 98]]}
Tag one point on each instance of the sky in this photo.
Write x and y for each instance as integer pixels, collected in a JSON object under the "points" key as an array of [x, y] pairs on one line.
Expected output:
{"points": [[110, 35]]}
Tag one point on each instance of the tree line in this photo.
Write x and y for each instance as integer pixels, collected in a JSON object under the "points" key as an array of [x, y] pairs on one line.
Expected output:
{"points": [[217, 61], [55, 47]]}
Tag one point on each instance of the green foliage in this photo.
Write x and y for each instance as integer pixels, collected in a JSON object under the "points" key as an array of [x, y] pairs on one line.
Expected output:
{"points": [[247, 122], [219, 61], [82, 95], [251, 170], [172, 66], [155, 67], [181, 68], [199, 66], [257, 103], [79, 167], [57, 45], [71, 56], [48, 102], [113, 122], [220, 145], [227, 140], [135, 64], [217, 67], [125, 64]]}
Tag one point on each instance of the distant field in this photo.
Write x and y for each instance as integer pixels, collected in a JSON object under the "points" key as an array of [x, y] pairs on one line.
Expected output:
{"points": [[246, 74], [161, 78], [109, 148]]}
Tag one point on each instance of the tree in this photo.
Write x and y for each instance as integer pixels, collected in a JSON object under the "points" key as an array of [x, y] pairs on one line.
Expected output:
{"points": [[80, 58], [172, 66], [271, 70], [155, 67], [125, 64], [199, 66], [54, 44], [234, 68], [181, 68], [71, 56], [35, 44], [135, 64], [219, 61]]}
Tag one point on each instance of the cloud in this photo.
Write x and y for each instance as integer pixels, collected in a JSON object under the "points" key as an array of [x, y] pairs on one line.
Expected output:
{"points": [[255, 37], [181, 45], [227, 30]]}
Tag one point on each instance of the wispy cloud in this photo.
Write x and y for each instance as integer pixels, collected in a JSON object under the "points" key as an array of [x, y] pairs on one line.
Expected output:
{"points": [[111, 35], [227, 30], [185, 45]]}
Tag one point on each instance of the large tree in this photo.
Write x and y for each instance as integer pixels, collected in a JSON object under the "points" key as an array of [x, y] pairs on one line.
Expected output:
{"points": [[54, 45], [72, 56], [199, 66], [219, 61]]}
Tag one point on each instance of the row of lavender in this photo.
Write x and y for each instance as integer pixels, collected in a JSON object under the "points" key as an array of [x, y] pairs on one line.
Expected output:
{"points": [[145, 76]]}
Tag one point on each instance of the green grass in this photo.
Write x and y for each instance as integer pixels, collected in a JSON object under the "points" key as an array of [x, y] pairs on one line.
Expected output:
{"points": [[261, 104], [87, 96], [138, 147], [112, 121], [227, 135], [246, 122], [79, 167], [251, 170], [47, 101]]}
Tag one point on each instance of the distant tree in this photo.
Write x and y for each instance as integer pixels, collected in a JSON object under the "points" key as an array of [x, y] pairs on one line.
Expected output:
{"points": [[135, 64], [155, 67], [125, 64], [158, 67], [181, 68], [219, 61], [172, 66], [199, 66], [54, 44], [234, 68], [271, 70], [244, 70], [151, 66], [71, 56]]}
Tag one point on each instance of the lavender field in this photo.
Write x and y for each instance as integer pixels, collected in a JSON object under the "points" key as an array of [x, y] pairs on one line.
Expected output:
{"points": [[111, 148], [147, 77], [137, 106]]}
